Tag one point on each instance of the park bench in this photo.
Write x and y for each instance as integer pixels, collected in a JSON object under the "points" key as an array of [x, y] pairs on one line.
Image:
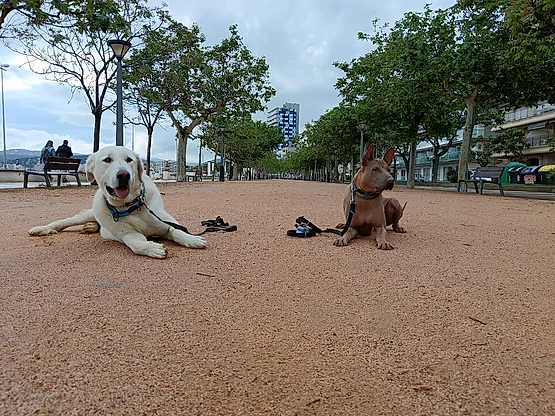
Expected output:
{"points": [[55, 166], [193, 176], [482, 175]]}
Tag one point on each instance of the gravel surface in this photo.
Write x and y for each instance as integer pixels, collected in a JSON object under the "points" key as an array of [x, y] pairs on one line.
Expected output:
{"points": [[457, 319]]}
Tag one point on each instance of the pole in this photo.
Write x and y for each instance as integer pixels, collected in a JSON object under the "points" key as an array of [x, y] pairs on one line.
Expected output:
{"points": [[3, 120], [119, 111], [222, 164], [200, 157], [361, 143], [133, 137]]}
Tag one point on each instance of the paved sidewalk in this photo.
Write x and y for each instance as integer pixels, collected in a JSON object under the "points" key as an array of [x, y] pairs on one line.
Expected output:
{"points": [[549, 196]]}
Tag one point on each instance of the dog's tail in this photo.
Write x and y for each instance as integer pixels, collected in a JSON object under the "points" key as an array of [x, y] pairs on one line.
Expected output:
{"points": [[403, 209]]}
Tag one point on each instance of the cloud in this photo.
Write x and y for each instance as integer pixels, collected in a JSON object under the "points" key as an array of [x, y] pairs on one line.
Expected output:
{"points": [[300, 40]]}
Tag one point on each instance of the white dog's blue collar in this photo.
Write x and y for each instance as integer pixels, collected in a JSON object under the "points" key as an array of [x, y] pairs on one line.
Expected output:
{"points": [[132, 206]]}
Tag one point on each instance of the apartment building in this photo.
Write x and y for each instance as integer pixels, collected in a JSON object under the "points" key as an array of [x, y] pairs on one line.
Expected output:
{"points": [[539, 123]]}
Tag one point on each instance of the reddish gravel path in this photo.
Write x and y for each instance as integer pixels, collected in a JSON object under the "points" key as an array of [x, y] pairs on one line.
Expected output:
{"points": [[458, 319]]}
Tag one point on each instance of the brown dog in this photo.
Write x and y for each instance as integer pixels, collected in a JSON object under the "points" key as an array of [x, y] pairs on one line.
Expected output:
{"points": [[373, 210]]}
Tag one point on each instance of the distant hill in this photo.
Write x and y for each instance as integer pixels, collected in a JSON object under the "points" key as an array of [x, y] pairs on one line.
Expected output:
{"points": [[17, 155]]}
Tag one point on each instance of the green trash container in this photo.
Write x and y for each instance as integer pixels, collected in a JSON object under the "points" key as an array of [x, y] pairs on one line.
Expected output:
{"points": [[506, 177]]}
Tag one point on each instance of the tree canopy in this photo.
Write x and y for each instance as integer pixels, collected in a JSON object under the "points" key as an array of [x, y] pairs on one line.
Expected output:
{"points": [[195, 83]]}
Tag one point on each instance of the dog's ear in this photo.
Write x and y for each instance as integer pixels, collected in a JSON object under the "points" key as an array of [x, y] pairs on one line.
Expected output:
{"points": [[139, 167], [389, 155], [368, 156], [89, 167]]}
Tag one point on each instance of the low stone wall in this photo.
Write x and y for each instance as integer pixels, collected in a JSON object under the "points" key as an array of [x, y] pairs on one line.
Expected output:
{"points": [[17, 176]]}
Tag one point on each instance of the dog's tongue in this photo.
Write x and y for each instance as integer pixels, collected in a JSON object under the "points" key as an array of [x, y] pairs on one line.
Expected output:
{"points": [[122, 192]]}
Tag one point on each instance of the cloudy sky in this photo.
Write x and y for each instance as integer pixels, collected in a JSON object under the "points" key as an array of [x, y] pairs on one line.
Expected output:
{"points": [[300, 40]]}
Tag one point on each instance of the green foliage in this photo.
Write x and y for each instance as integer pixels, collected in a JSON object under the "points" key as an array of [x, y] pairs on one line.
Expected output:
{"points": [[510, 142], [72, 49], [196, 84], [85, 15], [334, 134], [483, 150], [247, 142], [551, 143], [452, 174]]}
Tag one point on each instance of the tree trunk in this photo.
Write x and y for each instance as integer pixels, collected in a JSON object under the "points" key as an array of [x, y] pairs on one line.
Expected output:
{"points": [[214, 166], [96, 131], [148, 149], [181, 172], [471, 110], [412, 164], [435, 167]]}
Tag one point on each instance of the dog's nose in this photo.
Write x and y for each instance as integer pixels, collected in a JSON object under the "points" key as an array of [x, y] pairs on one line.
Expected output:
{"points": [[123, 176]]}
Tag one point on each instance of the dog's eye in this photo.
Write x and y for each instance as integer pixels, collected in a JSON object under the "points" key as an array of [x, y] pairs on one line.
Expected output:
{"points": [[375, 168], [129, 160], [107, 160]]}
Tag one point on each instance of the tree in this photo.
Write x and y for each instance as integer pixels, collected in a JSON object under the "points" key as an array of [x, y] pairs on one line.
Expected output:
{"points": [[77, 53], [478, 65], [247, 142], [482, 150], [84, 13], [195, 84], [510, 142], [395, 83], [335, 137]]}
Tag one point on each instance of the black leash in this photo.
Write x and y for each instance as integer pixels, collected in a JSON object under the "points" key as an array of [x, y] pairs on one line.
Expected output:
{"points": [[219, 225], [307, 229]]}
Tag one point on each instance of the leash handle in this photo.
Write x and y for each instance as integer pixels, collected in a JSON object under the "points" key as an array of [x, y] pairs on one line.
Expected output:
{"points": [[185, 230]]}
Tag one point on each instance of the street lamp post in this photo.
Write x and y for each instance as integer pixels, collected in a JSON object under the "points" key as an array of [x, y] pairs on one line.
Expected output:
{"points": [[2, 69], [222, 153], [120, 48], [361, 125]]}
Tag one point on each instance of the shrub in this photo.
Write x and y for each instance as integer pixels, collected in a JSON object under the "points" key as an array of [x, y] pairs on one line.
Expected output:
{"points": [[452, 174]]}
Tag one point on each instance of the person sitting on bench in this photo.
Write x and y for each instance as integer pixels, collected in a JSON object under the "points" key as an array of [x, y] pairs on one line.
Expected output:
{"points": [[64, 151]]}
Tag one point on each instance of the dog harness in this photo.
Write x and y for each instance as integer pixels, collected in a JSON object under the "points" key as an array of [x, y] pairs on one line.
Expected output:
{"points": [[132, 206]]}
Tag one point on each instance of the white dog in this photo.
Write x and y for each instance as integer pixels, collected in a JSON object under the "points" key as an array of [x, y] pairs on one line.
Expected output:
{"points": [[126, 206]]}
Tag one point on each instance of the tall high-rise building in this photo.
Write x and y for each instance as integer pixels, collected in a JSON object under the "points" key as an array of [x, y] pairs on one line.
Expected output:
{"points": [[286, 118]]}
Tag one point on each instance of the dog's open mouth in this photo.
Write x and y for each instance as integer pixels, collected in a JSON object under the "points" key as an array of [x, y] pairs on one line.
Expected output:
{"points": [[121, 191]]}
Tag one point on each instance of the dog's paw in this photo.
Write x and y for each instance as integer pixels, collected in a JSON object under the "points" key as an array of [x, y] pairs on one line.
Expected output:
{"points": [[385, 246], [90, 227], [340, 242], [196, 241], [399, 230], [154, 250], [188, 240], [42, 230]]}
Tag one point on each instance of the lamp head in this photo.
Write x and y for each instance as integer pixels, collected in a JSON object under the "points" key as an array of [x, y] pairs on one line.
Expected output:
{"points": [[120, 47]]}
